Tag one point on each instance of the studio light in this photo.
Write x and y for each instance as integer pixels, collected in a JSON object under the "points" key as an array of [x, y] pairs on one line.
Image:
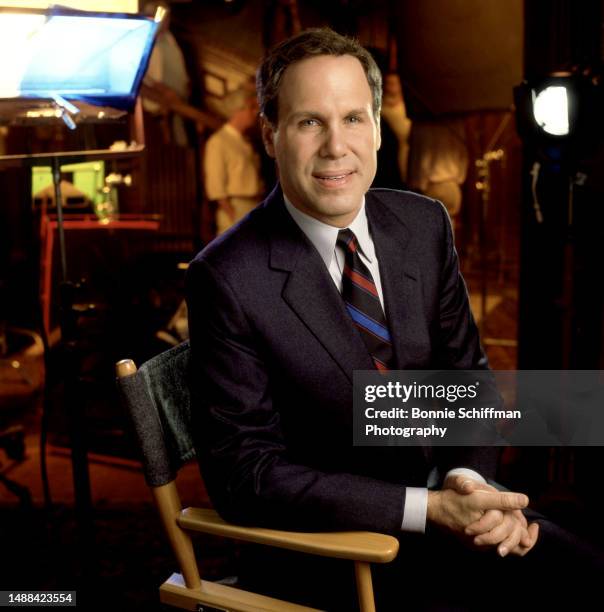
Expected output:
{"points": [[550, 110], [560, 115], [546, 108]]}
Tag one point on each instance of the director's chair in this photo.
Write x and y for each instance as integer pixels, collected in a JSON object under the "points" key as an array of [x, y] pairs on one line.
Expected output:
{"points": [[158, 400]]}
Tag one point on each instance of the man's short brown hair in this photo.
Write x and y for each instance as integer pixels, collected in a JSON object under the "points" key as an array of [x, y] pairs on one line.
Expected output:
{"points": [[311, 43]]}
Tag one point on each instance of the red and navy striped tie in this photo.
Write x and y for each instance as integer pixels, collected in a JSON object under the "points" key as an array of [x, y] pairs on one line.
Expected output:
{"points": [[363, 303]]}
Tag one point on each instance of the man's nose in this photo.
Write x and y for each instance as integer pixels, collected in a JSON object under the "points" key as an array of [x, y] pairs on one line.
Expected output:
{"points": [[334, 143]]}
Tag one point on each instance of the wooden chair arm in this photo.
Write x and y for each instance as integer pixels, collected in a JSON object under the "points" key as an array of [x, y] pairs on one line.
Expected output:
{"points": [[363, 546]]}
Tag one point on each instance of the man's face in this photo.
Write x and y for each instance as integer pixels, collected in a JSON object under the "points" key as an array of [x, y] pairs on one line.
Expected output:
{"points": [[326, 139]]}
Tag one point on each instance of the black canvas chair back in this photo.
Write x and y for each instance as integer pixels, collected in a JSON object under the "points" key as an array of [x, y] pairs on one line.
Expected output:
{"points": [[159, 403]]}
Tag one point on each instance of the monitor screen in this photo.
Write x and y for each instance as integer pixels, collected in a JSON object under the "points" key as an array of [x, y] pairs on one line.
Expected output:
{"points": [[100, 58]]}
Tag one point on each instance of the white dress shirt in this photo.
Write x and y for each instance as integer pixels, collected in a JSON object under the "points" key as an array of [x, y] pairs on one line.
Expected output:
{"points": [[324, 238]]}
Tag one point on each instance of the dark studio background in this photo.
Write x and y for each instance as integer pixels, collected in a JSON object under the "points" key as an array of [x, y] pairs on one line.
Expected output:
{"points": [[458, 61]]}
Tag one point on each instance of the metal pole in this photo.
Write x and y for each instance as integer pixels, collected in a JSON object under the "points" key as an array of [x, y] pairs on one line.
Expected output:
{"points": [[74, 406], [56, 178]]}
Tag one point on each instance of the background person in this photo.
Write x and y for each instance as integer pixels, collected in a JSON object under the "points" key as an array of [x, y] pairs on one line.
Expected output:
{"points": [[231, 164]]}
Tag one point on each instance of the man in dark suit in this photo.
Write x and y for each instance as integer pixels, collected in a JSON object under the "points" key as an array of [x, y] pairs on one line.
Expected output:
{"points": [[275, 344]]}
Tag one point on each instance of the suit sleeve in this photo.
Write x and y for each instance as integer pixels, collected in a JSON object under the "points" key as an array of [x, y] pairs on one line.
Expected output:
{"points": [[240, 446], [460, 349]]}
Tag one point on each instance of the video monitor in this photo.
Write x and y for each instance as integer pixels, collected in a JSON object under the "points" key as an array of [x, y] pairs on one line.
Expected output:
{"points": [[99, 58]]}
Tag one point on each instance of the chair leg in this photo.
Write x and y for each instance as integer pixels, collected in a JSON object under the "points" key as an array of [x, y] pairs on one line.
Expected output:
{"points": [[362, 572], [169, 505]]}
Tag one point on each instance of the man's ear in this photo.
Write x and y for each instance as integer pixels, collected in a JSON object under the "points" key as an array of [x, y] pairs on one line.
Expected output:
{"points": [[268, 136], [378, 136]]}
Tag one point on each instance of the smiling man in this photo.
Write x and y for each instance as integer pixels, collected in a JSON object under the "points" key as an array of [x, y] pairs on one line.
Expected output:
{"points": [[325, 138], [324, 278]]}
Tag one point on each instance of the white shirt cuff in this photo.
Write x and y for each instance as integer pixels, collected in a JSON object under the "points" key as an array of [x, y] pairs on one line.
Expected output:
{"points": [[466, 472], [415, 510]]}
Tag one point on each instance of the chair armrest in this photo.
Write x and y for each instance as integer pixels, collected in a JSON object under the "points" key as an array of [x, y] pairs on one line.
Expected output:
{"points": [[355, 545]]}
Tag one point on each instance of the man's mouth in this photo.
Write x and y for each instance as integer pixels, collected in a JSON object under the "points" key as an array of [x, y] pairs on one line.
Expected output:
{"points": [[333, 178]]}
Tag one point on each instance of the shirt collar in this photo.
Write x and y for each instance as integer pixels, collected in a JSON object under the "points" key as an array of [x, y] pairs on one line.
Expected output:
{"points": [[324, 236]]}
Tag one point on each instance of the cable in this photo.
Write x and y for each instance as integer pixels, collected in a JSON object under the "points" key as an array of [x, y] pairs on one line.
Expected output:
{"points": [[535, 178]]}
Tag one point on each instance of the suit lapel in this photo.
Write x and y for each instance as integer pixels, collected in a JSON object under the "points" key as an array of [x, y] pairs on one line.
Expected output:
{"points": [[310, 292], [400, 284], [399, 276]]}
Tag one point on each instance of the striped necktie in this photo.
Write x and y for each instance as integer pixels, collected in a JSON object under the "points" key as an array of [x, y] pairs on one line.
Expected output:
{"points": [[363, 302]]}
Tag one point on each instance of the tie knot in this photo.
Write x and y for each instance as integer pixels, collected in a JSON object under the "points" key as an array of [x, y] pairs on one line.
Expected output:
{"points": [[347, 240]]}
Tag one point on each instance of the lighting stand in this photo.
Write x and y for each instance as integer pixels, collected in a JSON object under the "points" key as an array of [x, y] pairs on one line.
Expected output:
{"points": [[68, 322], [483, 185]]}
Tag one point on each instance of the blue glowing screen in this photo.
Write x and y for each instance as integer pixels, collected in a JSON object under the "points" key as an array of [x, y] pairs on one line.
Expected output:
{"points": [[100, 58]]}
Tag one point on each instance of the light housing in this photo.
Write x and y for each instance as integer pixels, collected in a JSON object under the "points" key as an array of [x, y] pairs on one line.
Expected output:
{"points": [[560, 114]]}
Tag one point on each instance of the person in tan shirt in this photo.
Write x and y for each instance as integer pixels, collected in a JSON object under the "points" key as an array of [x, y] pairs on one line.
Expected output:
{"points": [[231, 165]]}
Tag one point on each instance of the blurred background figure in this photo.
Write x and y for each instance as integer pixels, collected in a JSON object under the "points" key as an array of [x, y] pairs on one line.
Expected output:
{"points": [[231, 163], [166, 79], [438, 163], [395, 126], [394, 115]]}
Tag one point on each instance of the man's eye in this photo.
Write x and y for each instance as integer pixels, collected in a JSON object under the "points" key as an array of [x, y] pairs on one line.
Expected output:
{"points": [[309, 123], [354, 119]]}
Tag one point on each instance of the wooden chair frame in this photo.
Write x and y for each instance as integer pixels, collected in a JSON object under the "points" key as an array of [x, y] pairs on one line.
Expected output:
{"points": [[188, 591]]}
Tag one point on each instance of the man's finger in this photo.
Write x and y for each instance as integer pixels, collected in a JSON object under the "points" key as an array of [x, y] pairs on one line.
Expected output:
{"points": [[526, 540], [526, 544], [488, 521], [518, 514], [499, 534], [532, 533], [465, 485], [487, 500], [511, 542], [469, 486], [460, 483]]}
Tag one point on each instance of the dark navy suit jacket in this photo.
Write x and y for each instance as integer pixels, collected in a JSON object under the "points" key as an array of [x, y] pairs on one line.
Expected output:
{"points": [[274, 352]]}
